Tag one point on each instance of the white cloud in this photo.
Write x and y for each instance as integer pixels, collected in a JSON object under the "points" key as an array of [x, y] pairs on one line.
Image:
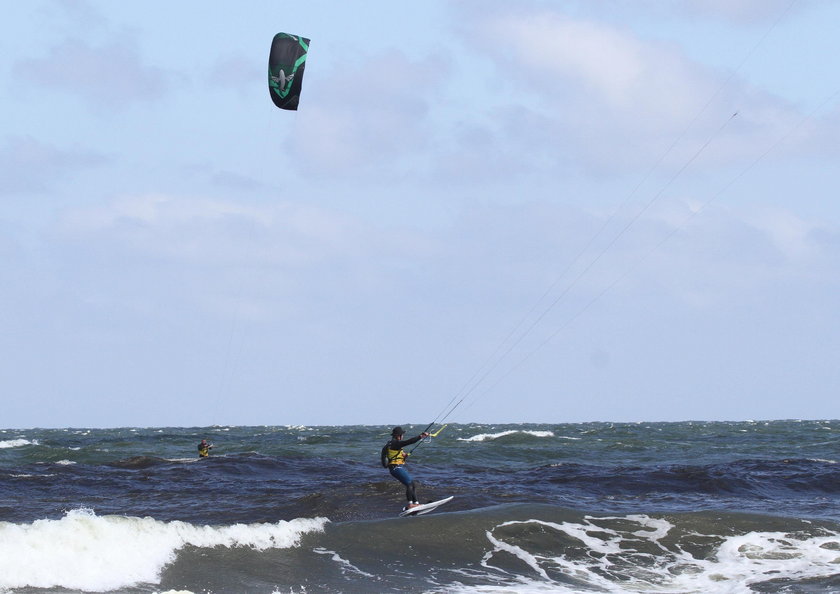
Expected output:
{"points": [[211, 230], [29, 166], [728, 256], [111, 75], [741, 11], [738, 12], [275, 253], [599, 96], [793, 236], [594, 63], [367, 118], [552, 49], [235, 71]]}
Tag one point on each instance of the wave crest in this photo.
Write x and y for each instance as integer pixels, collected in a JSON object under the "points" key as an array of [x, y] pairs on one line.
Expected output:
{"points": [[99, 553], [492, 436], [16, 443]]}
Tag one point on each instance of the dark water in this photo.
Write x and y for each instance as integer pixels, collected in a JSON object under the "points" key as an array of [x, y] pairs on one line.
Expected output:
{"points": [[598, 507]]}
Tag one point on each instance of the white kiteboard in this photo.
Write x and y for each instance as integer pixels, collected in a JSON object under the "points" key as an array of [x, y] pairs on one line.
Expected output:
{"points": [[424, 508]]}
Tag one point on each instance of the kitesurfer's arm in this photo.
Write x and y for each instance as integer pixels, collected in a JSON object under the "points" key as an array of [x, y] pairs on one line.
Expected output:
{"points": [[399, 444]]}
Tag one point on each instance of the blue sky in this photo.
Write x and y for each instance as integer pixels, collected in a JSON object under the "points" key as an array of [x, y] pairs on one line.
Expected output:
{"points": [[543, 210]]}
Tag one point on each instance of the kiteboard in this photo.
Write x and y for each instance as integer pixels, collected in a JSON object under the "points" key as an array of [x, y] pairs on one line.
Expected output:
{"points": [[419, 510]]}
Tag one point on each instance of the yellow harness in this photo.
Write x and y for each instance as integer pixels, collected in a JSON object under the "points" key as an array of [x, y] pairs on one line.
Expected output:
{"points": [[396, 457]]}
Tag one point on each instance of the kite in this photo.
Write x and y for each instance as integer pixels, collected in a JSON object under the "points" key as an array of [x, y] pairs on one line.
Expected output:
{"points": [[285, 69]]}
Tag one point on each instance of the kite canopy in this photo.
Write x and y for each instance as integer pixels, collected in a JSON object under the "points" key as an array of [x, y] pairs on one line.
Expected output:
{"points": [[285, 69]]}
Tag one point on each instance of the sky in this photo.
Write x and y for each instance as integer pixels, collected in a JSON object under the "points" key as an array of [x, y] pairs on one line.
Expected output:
{"points": [[532, 211]]}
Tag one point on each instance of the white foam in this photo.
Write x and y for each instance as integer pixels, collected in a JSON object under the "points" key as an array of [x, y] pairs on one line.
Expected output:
{"points": [[616, 562], [16, 443], [87, 552], [346, 566], [659, 527], [491, 436]]}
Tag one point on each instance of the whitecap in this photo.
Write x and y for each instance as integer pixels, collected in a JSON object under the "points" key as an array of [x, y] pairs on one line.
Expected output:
{"points": [[612, 562], [83, 551], [16, 443], [491, 436]]}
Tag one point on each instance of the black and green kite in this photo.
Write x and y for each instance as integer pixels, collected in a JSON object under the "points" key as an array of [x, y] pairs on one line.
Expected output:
{"points": [[285, 69]]}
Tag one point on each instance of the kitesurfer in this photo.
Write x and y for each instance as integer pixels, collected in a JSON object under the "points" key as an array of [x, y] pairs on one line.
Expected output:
{"points": [[204, 449], [393, 458]]}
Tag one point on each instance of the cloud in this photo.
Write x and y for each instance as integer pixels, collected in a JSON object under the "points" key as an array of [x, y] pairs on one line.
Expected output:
{"points": [[236, 72], [80, 12], [369, 118], [728, 255], [29, 166], [796, 239], [737, 12], [298, 248], [741, 11], [111, 75], [597, 97], [202, 231], [308, 287], [237, 181]]}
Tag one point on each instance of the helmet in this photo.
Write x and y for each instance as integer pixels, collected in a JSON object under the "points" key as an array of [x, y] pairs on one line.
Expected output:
{"points": [[397, 431]]}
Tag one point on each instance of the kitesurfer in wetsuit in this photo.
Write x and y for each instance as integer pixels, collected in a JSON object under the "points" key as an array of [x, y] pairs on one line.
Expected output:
{"points": [[204, 449], [393, 458]]}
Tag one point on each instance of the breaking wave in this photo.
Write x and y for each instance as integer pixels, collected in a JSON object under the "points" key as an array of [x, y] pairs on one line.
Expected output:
{"points": [[87, 552]]}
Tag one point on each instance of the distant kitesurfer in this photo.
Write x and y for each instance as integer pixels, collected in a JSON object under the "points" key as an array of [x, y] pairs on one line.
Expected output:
{"points": [[204, 449], [393, 458]]}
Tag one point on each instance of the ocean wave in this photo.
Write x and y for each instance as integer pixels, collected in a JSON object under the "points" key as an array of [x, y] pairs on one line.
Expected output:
{"points": [[87, 552], [544, 548], [538, 548], [141, 462], [138, 462], [16, 443], [492, 436], [638, 552]]}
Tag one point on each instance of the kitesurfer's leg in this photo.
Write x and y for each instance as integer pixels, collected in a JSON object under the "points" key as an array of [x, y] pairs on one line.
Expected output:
{"points": [[401, 474]]}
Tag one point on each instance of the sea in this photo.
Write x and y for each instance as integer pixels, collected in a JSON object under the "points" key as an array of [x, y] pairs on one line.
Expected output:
{"points": [[587, 507]]}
